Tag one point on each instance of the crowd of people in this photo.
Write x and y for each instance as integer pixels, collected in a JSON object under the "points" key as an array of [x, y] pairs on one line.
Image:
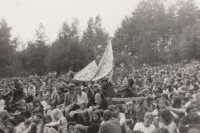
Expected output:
{"points": [[159, 99]]}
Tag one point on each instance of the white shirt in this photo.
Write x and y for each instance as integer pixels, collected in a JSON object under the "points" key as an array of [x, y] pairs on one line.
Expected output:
{"points": [[141, 127], [122, 119], [2, 104], [82, 97]]}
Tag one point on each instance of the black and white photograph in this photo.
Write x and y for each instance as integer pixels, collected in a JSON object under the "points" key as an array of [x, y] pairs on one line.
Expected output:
{"points": [[99, 66]]}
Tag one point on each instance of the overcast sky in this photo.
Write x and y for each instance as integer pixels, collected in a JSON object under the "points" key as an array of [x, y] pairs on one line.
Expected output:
{"points": [[24, 16]]}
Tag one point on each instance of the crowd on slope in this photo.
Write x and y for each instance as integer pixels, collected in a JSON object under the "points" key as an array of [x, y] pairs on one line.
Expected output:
{"points": [[161, 99]]}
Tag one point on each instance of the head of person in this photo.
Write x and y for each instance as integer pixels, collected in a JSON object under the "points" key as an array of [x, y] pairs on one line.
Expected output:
{"points": [[184, 100], [187, 82], [38, 116], [83, 105], [165, 116], [47, 119], [96, 116], [36, 103], [114, 109], [150, 100], [4, 115], [96, 88], [162, 130], [59, 88], [148, 119], [161, 104], [78, 90], [173, 94], [10, 123], [104, 83], [176, 102], [198, 95], [70, 127], [107, 115], [156, 120], [130, 106], [71, 87], [130, 82], [27, 123], [164, 96], [56, 114], [140, 94], [31, 106], [146, 92], [22, 107], [193, 130], [192, 111], [78, 128]]}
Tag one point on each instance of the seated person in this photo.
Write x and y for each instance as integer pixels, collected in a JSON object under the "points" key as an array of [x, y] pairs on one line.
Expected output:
{"points": [[82, 114], [192, 120]]}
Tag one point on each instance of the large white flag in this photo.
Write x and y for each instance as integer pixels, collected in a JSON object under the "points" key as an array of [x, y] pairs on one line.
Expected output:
{"points": [[106, 64], [87, 73]]}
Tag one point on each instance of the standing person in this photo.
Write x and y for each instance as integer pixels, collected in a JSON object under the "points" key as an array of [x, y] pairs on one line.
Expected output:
{"points": [[107, 89], [128, 90], [110, 124], [192, 120]]}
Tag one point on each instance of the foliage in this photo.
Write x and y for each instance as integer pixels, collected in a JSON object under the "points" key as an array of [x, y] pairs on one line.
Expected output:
{"points": [[95, 37], [156, 32]]}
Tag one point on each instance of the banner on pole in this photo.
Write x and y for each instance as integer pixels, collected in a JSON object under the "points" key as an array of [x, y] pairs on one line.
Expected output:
{"points": [[106, 64], [87, 73]]}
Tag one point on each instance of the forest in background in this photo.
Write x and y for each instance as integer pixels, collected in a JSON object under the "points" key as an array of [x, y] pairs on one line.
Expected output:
{"points": [[156, 32]]}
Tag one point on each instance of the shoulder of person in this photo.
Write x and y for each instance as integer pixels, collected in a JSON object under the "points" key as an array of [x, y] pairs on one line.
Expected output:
{"points": [[121, 114], [83, 93]]}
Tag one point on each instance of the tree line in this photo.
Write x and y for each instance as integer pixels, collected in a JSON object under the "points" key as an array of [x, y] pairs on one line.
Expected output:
{"points": [[156, 32]]}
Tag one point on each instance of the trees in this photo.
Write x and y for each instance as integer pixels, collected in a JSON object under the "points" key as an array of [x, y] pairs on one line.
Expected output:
{"points": [[95, 37], [189, 46], [33, 57], [155, 31], [67, 53], [6, 50]]}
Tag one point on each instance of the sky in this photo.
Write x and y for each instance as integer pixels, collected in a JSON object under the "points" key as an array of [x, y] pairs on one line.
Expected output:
{"points": [[24, 16]]}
